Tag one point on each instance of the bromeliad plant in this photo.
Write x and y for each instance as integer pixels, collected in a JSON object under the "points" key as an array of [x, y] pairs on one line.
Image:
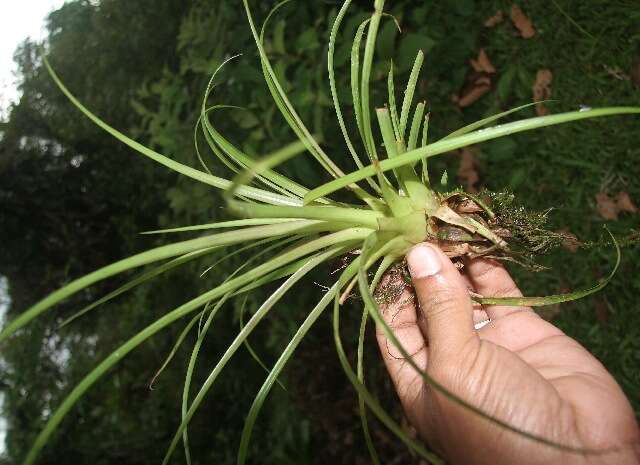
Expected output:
{"points": [[304, 228]]}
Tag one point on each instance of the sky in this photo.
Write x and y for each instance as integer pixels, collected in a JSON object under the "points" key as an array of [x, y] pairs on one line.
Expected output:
{"points": [[19, 19]]}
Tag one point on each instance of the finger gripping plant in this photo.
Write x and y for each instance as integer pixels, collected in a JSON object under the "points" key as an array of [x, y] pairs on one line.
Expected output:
{"points": [[304, 228]]}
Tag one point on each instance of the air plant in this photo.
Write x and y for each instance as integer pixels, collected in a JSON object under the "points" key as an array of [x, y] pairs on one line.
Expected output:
{"points": [[304, 228]]}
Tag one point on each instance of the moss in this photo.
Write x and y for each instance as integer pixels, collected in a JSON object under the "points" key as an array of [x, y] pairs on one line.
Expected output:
{"points": [[526, 228]]}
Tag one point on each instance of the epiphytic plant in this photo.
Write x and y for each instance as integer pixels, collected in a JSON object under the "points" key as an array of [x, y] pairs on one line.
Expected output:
{"points": [[304, 228]]}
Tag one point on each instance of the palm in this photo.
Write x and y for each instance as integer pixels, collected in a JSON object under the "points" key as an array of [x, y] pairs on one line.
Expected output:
{"points": [[577, 378]]}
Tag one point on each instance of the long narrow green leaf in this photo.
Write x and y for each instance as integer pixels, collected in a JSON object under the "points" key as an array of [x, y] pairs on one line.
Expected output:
{"points": [[367, 63], [220, 146], [258, 167], [250, 348], [419, 194], [425, 140], [557, 298], [425, 131], [483, 122], [355, 80], [332, 81], [251, 245], [384, 266], [291, 117], [192, 362], [258, 401], [226, 151], [221, 225], [270, 75], [153, 255], [220, 183], [448, 145], [271, 178], [196, 147], [334, 92], [355, 216], [143, 277], [393, 109], [345, 238], [237, 342], [203, 120], [389, 139], [174, 349], [136, 281], [371, 402], [415, 126], [409, 92]]}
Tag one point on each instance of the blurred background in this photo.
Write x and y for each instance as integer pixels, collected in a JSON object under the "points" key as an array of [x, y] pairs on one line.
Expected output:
{"points": [[73, 199]]}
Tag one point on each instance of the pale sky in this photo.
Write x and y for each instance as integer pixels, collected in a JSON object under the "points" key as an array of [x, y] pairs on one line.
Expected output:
{"points": [[19, 19]]}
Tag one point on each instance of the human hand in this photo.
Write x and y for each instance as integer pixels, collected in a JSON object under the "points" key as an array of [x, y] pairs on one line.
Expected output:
{"points": [[518, 368]]}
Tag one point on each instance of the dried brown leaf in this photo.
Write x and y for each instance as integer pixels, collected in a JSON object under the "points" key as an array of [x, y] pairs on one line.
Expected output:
{"points": [[624, 203], [606, 206], [522, 22], [494, 20], [468, 170], [472, 95], [610, 208], [542, 90], [479, 85], [482, 64]]}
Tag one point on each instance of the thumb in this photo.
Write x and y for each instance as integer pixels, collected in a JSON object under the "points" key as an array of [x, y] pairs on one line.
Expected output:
{"points": [[443, 297]]}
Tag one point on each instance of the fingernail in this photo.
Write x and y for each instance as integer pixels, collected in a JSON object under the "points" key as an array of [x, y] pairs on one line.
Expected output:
{"points": [[423, 261]]}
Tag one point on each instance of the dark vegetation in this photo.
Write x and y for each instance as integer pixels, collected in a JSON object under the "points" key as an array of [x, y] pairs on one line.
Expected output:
{"points": [[73, 199]]}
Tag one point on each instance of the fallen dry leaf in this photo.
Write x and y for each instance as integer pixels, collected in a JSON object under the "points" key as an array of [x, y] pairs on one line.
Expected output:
{"points": [[522, 22], [606, 206], [478, 81], [482, 64], [542, 90], [479, 86], [624, 203], [468, 170], [609, 208], [494, 20]]}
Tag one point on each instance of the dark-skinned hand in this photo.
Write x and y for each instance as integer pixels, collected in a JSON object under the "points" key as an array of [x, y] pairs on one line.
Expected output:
{"points": [[518, 368]]}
